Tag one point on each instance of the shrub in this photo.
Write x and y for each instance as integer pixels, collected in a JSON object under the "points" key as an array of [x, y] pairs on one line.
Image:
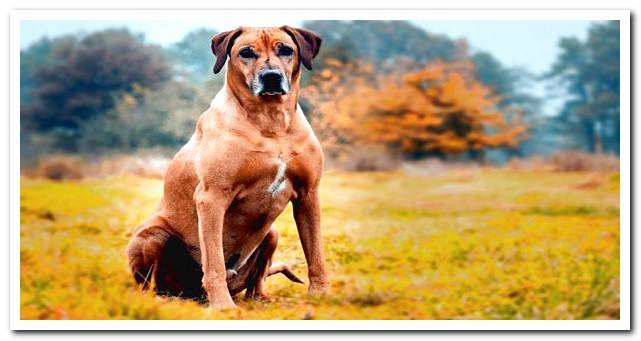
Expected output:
{"points": [[369, 160], [144, 166], [576, 161], [60, 168]]}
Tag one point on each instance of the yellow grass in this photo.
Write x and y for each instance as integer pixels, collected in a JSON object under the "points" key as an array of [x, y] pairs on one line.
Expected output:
{"points": [[471, 244]]}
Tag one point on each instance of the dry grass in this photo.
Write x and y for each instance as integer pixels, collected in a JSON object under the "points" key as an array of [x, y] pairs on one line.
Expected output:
{"points": [[369, 160], [465, 244], [568, 161], [59, 167], [67, 167], [574, 161]]}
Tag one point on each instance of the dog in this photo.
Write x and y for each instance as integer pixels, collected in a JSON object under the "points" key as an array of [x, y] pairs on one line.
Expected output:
{"points": [[252, 152]]}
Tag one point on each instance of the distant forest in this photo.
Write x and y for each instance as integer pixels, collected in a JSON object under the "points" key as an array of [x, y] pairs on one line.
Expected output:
{"points": [[386, 84]]}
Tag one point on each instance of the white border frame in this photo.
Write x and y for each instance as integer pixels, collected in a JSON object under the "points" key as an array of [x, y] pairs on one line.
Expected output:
{"points": [[244, 16]]}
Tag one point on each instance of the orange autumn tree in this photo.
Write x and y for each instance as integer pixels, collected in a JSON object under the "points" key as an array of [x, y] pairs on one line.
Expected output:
{"points": [[439, 110]]}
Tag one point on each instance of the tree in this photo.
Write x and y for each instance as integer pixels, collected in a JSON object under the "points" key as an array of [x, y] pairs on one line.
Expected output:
{"points": [[192, 55], [36, 56], [589, 71], [395, 47], [144, 119], [383, 42], [85, 76], [507, 83], [439, 110]]}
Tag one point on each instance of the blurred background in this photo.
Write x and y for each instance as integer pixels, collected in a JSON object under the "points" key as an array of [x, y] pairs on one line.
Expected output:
{"points": [[383, 94]]}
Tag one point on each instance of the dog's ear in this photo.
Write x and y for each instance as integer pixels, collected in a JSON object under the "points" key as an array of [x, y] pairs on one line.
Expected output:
{"points": [[221, 46], [308, 44]]}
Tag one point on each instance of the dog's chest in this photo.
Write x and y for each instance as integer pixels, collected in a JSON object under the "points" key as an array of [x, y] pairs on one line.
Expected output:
{"points": [[274, 177], [273, 172], [279, 182], [266, 185]]}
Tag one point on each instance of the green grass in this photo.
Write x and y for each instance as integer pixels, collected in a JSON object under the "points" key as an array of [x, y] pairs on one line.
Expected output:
{"points": [[472, 244]]}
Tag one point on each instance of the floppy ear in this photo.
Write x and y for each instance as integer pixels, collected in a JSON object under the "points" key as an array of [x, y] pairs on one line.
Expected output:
{"points": [[308, 44], [221, 45]]}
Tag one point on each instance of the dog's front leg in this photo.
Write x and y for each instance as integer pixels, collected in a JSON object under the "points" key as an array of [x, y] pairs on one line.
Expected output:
{"points": [[307, 217], [211, 207]]}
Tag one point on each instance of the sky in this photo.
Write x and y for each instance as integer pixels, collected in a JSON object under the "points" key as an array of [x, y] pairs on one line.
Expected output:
{"points": [[532, 45]]}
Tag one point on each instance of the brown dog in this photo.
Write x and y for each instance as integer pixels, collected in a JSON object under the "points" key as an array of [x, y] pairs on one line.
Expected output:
{"points": [[252, 152]]}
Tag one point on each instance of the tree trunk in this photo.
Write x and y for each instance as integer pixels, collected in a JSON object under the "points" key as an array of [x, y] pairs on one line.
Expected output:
{"points": [[596, 137], [589, 140], [482, 157]]}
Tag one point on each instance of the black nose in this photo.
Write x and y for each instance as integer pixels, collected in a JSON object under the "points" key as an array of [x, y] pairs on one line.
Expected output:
{"points": [[272, 80]]}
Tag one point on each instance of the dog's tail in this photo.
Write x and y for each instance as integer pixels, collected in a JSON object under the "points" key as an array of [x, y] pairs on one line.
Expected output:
{"points": [[285, 270]]}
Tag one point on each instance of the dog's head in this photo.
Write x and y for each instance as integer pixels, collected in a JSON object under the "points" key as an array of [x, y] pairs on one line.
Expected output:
{"points": [[266, 60]]}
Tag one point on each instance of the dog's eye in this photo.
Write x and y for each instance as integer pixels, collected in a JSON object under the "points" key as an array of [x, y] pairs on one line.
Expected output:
{"points": [[285, 51], [247, 53]]}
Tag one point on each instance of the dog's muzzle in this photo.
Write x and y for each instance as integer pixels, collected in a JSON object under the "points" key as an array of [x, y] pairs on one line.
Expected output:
{"points": [[270, 82]]}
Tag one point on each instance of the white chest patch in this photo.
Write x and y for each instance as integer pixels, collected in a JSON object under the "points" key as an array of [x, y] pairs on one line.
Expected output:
{"points": [[279, 181]]}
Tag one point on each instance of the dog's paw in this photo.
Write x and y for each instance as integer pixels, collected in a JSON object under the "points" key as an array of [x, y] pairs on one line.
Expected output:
{"points": [[318, 289], [222, 303], [260, 298]]}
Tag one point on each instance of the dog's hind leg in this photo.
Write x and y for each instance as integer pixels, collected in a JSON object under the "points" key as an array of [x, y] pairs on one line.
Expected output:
{"points": [[252, 274], [178, 273], [262, 258], [282, 268], [145, 248], [155, 254]]}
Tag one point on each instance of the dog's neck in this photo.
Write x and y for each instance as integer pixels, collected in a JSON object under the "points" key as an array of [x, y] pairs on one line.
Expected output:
{"points": [[272, 115]]}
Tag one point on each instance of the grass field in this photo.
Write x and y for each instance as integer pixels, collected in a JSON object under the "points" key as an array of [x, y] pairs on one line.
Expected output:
{"points": [[469, 244]]}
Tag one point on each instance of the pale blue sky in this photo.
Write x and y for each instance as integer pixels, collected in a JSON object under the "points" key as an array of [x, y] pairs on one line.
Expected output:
{"points": [[532, 45]]}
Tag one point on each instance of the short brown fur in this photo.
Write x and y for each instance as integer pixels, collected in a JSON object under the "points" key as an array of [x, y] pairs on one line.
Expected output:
{"points": [[216, 212]]}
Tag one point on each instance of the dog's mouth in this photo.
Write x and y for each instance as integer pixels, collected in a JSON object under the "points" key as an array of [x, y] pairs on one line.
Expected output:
{"points": [[272, 93]]}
